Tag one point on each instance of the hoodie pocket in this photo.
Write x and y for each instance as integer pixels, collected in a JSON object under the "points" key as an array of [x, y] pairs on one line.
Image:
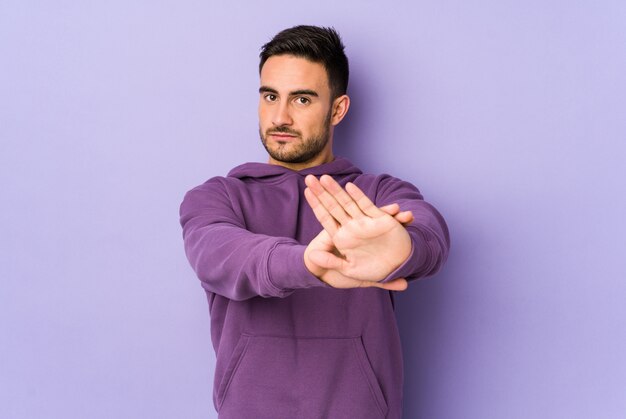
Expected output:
{"points": [[303, 377], [231, 368]]}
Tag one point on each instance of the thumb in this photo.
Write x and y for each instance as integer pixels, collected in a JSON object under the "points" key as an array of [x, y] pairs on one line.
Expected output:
{"points": [[326, 260], [404, 217], [391, 209]]}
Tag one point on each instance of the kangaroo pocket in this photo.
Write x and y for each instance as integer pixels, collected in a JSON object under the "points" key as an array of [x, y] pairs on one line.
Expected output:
{"points": [[287, 377]]}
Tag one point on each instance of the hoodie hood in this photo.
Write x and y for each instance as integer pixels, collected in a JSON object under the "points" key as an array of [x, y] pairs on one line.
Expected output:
{"points": [[339, 166]]}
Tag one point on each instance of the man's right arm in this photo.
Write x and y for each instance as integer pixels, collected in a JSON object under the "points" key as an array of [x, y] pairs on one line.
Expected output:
{"points": [[232, 261]]}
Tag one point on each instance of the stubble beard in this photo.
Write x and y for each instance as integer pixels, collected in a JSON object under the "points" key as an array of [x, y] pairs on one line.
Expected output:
{"points": [[298, 151]]}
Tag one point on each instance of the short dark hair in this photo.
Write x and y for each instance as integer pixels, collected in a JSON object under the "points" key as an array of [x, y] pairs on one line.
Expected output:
{"points": [[318, 44]]}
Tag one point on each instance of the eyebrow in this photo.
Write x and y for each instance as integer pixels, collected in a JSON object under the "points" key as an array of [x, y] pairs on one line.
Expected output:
{"points": [[266, 89]]}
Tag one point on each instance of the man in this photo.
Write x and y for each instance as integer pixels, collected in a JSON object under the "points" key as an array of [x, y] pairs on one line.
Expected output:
{"points": [[299, 257]]}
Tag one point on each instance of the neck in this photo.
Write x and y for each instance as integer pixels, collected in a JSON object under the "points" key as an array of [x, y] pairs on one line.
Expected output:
{"points": [[326, 156]]}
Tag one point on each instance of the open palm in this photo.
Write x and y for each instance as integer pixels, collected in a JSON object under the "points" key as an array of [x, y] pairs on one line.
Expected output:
{"points": [[368, 243]]}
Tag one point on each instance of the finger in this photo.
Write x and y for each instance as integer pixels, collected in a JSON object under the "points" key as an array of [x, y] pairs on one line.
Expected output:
{"points": [[338, 280], [341, 196], [322, 215], [398, 284], [363, 201], [327, 200]]}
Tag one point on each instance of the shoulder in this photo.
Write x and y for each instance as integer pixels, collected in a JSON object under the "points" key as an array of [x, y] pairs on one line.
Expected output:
{"points": [[384, 187], [215, 192], [214, 185]]}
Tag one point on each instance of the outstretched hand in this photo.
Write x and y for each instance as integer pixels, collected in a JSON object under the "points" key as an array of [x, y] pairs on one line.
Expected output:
{"points": [[361, 244]]}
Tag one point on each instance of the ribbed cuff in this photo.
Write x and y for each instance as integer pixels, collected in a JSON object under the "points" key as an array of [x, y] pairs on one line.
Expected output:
{"points": [[413, 262], [286, 268]]}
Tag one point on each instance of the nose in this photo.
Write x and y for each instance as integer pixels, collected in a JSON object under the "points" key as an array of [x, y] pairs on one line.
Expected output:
{"points": [[281, 115]]}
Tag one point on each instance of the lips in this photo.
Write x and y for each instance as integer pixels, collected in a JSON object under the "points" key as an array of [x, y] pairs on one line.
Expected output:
{"points": [[282, 136]]}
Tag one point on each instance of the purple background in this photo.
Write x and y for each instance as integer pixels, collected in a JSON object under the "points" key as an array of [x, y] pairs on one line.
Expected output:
{"points": [[509, 116]]}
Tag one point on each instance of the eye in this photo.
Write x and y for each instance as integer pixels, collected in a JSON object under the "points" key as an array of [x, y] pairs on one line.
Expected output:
{"points": [[301, 100], [270, 97]]}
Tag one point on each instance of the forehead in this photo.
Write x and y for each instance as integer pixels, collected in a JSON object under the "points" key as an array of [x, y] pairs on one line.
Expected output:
{"points": [[292, 73]]}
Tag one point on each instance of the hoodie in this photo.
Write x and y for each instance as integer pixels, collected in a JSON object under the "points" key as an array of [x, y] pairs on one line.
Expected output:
{"points": [[288, 345]]}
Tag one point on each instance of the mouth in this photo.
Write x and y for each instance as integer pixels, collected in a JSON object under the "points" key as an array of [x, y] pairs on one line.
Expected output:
{"points": [[282, 136]]}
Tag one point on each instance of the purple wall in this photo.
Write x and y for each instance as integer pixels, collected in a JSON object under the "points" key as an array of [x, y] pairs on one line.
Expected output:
{"points": [[510, 117]]}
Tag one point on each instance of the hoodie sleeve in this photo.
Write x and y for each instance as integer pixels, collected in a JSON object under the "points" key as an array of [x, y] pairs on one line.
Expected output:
{"points": [[230, 260], [428, 231]]}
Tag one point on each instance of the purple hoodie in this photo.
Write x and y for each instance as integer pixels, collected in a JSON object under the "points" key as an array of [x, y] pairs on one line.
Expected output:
{"points": [[287, 344]]}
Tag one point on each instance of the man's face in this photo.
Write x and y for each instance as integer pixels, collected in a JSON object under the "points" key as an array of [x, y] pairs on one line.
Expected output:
{"points": [[295, 110]]}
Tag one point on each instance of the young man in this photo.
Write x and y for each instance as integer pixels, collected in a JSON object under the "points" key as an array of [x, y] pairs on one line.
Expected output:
{"points": [[299, 256]]}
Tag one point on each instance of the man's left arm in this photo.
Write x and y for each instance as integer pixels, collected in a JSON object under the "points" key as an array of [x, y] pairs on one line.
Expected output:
{"points": [[429, 234]]}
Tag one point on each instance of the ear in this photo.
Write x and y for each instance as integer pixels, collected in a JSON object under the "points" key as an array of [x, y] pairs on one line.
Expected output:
{"points": [[340, 109]]}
